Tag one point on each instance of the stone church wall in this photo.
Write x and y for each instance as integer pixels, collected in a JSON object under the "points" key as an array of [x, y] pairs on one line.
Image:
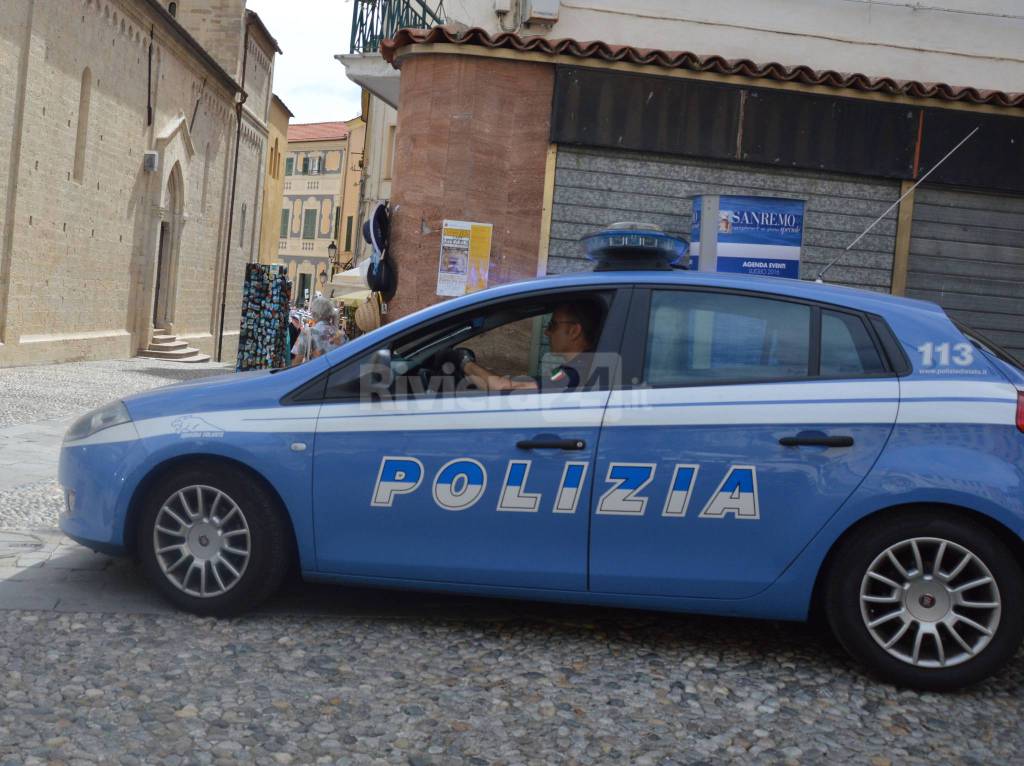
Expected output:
{"points": [[79, 236], [217, 25]]}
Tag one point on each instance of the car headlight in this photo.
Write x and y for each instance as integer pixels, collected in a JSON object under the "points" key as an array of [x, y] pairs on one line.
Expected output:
{"points": [[113, 414]]}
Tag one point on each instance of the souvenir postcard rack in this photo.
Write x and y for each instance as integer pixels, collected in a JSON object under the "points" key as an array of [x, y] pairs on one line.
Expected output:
{"points": [[263, 336]]}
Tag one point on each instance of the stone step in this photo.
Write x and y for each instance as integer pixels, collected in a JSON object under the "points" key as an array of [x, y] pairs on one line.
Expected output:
{"points": [[162, 337], [172, 345], [186, 354]]}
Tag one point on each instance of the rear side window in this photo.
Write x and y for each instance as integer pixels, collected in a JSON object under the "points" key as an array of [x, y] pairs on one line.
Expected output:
{"points": [[847, 348], [708, 338]]}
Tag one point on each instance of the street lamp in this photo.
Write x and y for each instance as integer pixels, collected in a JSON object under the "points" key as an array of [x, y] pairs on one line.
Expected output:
{"points": [[323, 280], [332, 256]]}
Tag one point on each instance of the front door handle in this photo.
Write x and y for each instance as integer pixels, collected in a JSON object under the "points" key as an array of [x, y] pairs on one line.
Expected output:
{"points": [[552, 442], [815, 439]]}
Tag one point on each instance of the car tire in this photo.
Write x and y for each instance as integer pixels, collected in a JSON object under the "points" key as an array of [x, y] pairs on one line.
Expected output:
{"points": [[896, 600], [213, 541]]}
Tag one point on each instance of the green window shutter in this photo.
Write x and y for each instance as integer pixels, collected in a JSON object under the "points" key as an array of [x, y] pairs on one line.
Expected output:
{"points": [[337, 222], [284, 224], [309, 224], [289, 166], [305, 166], [348, 234]]}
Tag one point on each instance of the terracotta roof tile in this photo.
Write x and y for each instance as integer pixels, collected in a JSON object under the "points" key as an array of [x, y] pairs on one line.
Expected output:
{"points": [[695, 62], [318, 131]]}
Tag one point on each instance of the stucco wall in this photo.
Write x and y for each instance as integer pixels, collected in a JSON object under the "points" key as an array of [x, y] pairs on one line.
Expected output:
{"points": [[351, 189], [321, 192], [273, 189], [961, 42], [380, 118]]}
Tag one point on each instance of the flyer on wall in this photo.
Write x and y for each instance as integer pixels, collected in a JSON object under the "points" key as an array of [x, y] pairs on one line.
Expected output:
{"points": [[465, 260]]}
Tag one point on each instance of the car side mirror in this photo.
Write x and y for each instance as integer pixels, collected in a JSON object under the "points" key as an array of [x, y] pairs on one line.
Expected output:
{"points": [[380, 374], [381, 359]]}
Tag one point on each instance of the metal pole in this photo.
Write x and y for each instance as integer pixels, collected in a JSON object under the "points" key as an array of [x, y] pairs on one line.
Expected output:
{"points": [[234, 186], [821, 274]]}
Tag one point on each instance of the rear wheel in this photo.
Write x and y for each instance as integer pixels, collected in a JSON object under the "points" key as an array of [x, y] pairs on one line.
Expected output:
{"points": [[926, 600], [213, 542]]}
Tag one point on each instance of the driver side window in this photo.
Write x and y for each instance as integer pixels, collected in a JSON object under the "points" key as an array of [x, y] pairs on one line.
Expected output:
{"points": [[507, 339], [511, 349]]}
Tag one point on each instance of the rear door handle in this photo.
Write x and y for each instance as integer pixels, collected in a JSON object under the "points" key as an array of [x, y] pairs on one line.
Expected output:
{"points": [[815, 439], [551, 442]]}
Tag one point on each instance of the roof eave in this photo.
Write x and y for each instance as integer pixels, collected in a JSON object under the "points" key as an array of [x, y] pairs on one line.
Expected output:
{"points": [[718, 65]]}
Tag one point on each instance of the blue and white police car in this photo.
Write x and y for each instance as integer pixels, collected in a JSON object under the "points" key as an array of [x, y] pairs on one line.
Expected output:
{"points": [[713, 443]]}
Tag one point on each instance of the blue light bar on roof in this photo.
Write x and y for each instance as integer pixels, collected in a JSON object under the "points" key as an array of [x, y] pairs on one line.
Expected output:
{"points": [[628, 245]]}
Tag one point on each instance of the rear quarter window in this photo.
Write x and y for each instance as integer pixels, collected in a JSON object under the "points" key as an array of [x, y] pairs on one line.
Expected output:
{"points": [[847, 348]]}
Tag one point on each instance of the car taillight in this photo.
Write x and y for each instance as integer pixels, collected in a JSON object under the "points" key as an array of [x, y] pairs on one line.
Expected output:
{"points": [[1020, 411]]}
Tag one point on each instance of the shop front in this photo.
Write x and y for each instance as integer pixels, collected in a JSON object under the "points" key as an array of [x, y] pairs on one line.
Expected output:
{"points": [[545, 141]]}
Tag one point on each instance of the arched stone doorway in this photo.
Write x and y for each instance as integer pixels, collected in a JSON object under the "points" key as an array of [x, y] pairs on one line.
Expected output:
{"points": [[168, 248]]}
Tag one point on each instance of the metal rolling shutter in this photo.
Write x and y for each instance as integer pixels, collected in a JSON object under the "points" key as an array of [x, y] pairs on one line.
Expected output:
{"points": [[967, 255], [596, 187]]}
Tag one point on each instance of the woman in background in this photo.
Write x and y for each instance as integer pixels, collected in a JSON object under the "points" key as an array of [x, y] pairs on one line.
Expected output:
{"points": [[323, 336]]}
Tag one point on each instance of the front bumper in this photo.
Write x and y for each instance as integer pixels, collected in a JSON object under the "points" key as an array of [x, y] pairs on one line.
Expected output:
{"points": [[98, 489]]}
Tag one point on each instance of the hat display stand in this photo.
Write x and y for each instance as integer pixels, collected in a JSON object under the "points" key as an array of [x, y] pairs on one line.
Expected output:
{"points": [[381, 276]]}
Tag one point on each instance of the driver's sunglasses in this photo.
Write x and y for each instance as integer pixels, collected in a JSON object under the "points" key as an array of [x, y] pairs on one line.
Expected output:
{"points": [[553, 323]]}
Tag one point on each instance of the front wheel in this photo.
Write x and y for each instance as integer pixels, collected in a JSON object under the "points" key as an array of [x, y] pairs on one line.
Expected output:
{"points": [[212, 541], [926, 600]]}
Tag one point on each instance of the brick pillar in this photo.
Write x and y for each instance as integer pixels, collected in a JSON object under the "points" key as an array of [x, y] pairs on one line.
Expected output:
{"points": [[472, 143]]}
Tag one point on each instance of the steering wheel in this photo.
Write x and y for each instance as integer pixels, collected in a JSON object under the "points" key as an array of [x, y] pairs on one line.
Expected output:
{"points": [[445, 364], [435, 369]]}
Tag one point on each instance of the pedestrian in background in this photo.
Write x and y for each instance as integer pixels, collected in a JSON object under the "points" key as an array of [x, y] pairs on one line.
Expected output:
{"points": [[323, 336]]}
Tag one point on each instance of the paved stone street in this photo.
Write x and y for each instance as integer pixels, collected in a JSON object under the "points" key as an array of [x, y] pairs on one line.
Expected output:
{"points": [[95, 668]]}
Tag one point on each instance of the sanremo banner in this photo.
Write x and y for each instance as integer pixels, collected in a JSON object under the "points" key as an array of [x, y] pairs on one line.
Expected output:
{"points": [[757, 235]]}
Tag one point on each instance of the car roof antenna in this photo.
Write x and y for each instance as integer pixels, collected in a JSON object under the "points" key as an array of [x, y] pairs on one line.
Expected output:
{"points": [[821, 274]]}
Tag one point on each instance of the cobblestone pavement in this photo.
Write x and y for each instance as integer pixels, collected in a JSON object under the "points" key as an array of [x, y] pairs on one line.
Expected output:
{"points": [[45, 392], [343, 675], [382, 678]]}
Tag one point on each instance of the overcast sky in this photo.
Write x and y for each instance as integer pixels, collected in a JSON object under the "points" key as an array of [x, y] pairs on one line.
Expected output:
{"points": [[307, 77]]}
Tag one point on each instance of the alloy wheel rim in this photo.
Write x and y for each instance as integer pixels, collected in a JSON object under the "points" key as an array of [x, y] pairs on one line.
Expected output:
{"points": [[930, 602], [202, 541]]}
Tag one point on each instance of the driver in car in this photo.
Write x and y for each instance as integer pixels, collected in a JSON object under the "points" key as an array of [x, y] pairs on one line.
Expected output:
{"points": [[572, 334]]}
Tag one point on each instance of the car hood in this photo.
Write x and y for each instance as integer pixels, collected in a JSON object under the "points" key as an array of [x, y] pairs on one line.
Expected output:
{"points": [[234, 391]]}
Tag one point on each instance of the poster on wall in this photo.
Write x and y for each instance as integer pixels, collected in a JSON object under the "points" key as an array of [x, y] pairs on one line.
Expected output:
{"points": [[465, 259], [755, 235]]}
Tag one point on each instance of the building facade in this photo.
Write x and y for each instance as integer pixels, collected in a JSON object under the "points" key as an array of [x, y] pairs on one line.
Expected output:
{"points": [[548, 138], [118, 132], [310, 219], [351, 212], [273, 182], [379, 129]]}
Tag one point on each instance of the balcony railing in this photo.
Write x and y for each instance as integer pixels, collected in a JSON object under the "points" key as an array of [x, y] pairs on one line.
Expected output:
{"points": [[376, 20]]}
